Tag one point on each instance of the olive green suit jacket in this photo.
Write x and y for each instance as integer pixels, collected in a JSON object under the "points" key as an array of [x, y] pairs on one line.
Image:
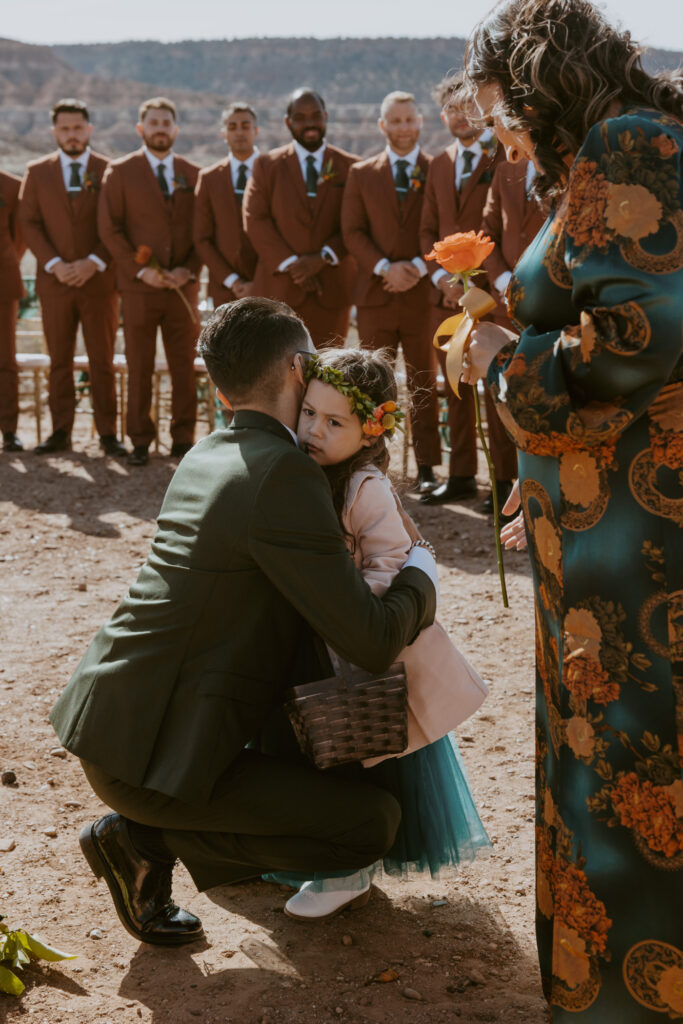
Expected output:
{"points": [[247, 565]]}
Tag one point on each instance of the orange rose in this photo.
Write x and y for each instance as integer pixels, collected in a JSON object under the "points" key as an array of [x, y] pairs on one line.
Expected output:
{"points": [[143, 254], [670, 988], [463, 252]]}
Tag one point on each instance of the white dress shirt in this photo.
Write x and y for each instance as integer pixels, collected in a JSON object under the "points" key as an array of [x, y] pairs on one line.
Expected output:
{"points": [[503, 280], [66, 161], [476, 148], [235, 165], [303, 155], [411, 159], [167, 164]]}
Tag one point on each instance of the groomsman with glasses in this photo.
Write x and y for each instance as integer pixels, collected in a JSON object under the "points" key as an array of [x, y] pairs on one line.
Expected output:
{"points": [[457, 186], [146, 216], [219, 237], [380, 223], [75, 279], [292, 215]]}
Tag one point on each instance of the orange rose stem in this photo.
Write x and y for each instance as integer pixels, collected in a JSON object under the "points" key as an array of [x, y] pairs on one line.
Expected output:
{"points": [[188, 307], [494, 493]]}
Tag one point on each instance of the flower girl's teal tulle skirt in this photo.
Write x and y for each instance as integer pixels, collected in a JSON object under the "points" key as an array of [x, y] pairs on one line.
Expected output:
{"points": [[440, 826]]}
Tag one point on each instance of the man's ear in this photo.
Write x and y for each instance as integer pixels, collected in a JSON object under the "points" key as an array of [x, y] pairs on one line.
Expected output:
{"points": [[298, 368]]}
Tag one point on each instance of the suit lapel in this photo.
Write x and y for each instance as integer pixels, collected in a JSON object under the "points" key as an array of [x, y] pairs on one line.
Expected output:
{"points": [[449, 194], [473, 180], [297, 179], [151, 184], [413, 196], [57, 183], [387, 185]]}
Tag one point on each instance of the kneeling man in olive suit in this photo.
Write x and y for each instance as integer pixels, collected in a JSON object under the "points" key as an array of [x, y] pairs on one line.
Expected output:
{"points": [[246, 577]]}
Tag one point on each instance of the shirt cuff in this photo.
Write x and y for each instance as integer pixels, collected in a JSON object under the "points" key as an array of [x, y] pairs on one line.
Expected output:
{"points": [[502, 281], [380, 266], [52, 263], [141, 271], [100, 264], [334, 259], [421, 558], [287, 263], [421, 265], [230, 280], [437, 275]]}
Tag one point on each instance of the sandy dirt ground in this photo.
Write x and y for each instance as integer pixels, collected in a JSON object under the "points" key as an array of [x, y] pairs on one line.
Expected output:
{"points": [[73, 531]]}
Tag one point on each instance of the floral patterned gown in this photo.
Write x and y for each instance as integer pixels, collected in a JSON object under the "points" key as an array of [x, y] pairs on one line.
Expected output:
{"points": [[592, 394]]}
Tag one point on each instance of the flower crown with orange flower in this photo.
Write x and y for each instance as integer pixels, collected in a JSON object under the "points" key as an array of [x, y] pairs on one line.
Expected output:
{"points": [[375, 419]]}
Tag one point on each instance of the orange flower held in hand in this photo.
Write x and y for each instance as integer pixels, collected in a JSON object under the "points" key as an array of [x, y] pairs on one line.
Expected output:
{"points": [[463, 252], [143, 254]]}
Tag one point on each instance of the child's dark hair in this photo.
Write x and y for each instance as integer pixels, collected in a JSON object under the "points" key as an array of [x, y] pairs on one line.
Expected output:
{"points": [[372, 373]]}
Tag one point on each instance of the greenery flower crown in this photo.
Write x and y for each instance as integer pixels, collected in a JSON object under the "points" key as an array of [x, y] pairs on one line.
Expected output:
{"points": [[375, 419]]}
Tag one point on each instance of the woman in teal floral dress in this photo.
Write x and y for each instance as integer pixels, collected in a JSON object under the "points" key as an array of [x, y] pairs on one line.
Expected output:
{"points": [[592, 394]]}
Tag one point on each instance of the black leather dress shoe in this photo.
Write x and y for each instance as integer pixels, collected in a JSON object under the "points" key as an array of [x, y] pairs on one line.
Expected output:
{"points": [[179, 449], [112, 446], [503, 488], [140, 889], [426, 481], [139, 456], [455, 489], [11, 443], [60, 441]]}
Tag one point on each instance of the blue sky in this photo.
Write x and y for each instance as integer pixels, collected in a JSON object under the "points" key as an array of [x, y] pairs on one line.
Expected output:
{"points": [[655, 22]]}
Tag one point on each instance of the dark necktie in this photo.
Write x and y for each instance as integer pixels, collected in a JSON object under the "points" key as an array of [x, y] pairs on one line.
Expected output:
{"points": [[161, 178], [241, 183], [402, 180], [75, 179], [468, 157], [311, 177]]}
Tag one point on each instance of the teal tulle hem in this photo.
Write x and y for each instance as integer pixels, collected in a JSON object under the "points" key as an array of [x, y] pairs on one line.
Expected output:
{"points": [[440, 826]]}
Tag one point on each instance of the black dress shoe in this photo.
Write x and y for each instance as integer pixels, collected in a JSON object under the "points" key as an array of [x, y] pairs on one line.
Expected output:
{"points": [[59, 441], [11, 443], [140, 889], [426, 481], [503, 487], [455, 488], [112, 446], [139, 456], [179, 449]]}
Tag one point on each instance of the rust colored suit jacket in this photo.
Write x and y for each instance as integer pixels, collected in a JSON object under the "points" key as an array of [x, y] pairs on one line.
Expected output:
{"points": [[12, 246], [219, 236], [54, 223], [376, 226], [446, 211], [510, 219], [281, 221], [134, 212]]}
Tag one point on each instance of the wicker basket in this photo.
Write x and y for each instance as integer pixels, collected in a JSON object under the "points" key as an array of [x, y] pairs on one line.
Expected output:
{"points": [[351, 716]]}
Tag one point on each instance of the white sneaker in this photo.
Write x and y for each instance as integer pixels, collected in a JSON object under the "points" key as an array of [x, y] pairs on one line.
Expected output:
{"points": [[309, 905]]}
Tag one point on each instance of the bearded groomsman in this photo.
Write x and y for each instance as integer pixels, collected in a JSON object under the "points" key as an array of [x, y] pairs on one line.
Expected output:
{"points": [[11, 290], [292, 214], [380, 223], [457, 186], [146, 214], [75, 280], [219, 237]]}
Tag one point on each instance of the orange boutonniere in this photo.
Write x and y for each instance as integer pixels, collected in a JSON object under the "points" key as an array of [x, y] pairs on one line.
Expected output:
{"points": [[90, 184], [462, 255], [144, 257], [417, 178], [180, 184], [327, 173]]}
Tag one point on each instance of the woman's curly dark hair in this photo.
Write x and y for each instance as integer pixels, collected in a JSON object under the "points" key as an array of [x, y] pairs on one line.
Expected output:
{"points": [[560, 66], [373, 374]]}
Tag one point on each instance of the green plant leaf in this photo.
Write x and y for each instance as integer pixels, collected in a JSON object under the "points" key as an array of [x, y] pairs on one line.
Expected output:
{"points": [[10, 983], [39, 949]]}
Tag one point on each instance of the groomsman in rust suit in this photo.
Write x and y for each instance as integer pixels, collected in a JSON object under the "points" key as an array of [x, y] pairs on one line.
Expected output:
{"points": [[380, 224], [455, 195], [11, 290], [146, 215], [219, 237], [75, 280], [292, 215], [512, 218]]}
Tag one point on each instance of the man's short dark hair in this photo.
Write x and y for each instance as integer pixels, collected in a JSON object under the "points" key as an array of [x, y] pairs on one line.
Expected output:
{"points": [[244, 343], [305, 90], [238, 108], [69, 106], [448, 88]]}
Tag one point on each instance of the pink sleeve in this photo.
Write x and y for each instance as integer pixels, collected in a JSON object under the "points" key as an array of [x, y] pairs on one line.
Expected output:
{"points": [[382, 542]]}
